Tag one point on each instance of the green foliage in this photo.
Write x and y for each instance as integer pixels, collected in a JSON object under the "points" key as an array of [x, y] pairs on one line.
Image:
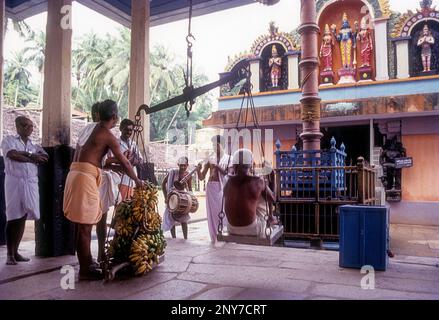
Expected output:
{"points": [[100, 70]]}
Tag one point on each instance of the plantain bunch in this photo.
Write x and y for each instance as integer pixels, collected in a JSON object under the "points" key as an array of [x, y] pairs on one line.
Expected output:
{"points": [[138, 235], [146, 250]]}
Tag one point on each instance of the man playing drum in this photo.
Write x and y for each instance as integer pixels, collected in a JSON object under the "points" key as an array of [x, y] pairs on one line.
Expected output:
{"points": [[170, 220]]}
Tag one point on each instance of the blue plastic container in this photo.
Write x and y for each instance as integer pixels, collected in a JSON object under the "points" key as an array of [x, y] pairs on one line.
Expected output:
{"points": [[364, 236]]}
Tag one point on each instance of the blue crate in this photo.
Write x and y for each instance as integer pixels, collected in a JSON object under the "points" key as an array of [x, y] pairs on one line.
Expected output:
{"points": [[364, 236]]}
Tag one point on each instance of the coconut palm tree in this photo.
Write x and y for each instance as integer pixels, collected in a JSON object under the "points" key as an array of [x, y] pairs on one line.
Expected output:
{"points": [[35, 53], [17, 73], [21, 27]]}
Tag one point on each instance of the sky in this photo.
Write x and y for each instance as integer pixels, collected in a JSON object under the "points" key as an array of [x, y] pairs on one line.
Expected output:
{"points": [[218, 35]]}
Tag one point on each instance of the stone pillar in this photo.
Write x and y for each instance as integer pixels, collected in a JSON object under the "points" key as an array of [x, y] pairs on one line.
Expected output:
{"points": [[381, 47], [255, 78], [139, 62], [54, 234], [309, 69], [293, 69], [57, 74], [402, 58], [2, 191]]}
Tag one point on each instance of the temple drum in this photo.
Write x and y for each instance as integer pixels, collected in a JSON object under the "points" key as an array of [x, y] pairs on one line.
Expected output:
{"points": [[181, 203]]}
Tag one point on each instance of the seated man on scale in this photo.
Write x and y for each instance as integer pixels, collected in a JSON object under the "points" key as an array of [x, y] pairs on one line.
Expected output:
{"points": [[242, 198]]}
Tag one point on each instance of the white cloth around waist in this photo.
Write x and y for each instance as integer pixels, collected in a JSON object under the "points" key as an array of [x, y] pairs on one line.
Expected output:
{"points": [[22, 198]]}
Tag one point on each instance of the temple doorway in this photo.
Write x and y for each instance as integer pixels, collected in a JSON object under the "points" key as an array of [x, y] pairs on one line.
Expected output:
{"points": [[355, 138]]}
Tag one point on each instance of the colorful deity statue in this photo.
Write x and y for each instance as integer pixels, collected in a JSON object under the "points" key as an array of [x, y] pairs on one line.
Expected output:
{"points": [[346, 38], [365, 39], [275, 64], [426, 42], [326, 50]]}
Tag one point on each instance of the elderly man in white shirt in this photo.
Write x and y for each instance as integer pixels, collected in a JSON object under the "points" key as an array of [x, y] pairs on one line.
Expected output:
{"points": [[21, 185]]}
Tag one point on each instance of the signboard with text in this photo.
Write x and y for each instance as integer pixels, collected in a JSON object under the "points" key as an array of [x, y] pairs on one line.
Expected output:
{"points": [[406, 162]]}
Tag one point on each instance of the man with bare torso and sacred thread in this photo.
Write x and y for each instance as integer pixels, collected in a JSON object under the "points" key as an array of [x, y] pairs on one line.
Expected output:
{"points": [[219, 165], [247, 198], [169, 220], [81, 194]]}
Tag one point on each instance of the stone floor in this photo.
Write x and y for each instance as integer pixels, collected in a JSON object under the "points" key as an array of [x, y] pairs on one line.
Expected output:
{"points": [[194, 269]]}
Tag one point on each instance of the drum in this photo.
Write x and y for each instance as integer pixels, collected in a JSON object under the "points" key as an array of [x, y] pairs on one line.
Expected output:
{"points": [[181, 203]]}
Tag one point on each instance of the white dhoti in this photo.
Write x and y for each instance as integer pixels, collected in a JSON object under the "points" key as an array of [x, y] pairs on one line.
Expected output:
{"points": [[22, 197], [257, 227], [108, 190], [168, 219], [214, 201]]}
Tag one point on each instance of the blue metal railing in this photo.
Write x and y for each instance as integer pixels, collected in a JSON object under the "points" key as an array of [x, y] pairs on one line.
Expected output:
{"points": [[306, 180]]}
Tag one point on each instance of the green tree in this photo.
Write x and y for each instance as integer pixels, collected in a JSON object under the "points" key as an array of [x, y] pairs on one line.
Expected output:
{"points": [[17, 80], [35, 53], [21, 27]]}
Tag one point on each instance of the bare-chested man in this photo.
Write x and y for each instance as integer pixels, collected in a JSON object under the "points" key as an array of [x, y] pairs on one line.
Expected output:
{"points": [[81, 194], [219, 166], [243, 194]]}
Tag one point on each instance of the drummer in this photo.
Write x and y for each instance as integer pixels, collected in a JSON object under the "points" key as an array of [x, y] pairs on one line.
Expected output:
{"points": [[168, 183]]}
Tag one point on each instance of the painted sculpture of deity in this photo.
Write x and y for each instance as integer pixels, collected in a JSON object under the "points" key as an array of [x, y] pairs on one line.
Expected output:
{"points": [[365, 39], [326, 50], [426, 42], [346, 38], [275, 64]]}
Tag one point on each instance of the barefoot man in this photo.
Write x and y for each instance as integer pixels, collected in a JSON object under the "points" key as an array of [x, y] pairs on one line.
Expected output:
{"points": [[21, 185], [219, 165], [81, 194]]}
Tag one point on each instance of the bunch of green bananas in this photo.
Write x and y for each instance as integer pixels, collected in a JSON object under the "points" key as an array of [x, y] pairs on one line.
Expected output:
{"points": [[119, 248], [139, 238], [146, 250]]}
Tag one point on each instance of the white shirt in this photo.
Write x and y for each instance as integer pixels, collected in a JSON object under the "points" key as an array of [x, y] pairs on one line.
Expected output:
{"points": [[125, 146], [15, 168]]}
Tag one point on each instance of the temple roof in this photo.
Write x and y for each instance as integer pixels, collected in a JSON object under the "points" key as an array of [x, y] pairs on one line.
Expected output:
{"points": [[162, 11]]}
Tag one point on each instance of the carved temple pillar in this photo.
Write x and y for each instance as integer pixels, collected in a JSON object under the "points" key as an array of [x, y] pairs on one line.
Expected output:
{"points": [[309, 69], [139, 62]]}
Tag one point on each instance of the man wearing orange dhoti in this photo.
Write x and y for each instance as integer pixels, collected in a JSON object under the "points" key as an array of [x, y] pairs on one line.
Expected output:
{"points": [[81, 193]]}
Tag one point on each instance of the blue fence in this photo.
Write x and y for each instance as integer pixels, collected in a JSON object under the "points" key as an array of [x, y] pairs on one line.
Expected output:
{"points": [[331, 179]]}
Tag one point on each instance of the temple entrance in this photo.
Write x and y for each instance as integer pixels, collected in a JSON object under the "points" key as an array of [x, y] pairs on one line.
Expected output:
{"points": [[355, 138]]}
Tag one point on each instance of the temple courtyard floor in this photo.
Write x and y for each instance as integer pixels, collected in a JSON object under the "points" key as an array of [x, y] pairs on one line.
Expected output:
{"points": [[195, 269]]}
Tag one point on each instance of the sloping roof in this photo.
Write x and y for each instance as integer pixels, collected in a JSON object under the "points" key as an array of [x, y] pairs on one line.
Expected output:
{"points": [[162, 11]]}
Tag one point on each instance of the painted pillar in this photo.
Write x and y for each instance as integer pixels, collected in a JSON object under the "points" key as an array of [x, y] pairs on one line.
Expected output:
{"points": [[2, 34], [255, 79], [293, 69], [139, 62], [309, 69], [57, 74], [382, 62], [402, 58]]}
